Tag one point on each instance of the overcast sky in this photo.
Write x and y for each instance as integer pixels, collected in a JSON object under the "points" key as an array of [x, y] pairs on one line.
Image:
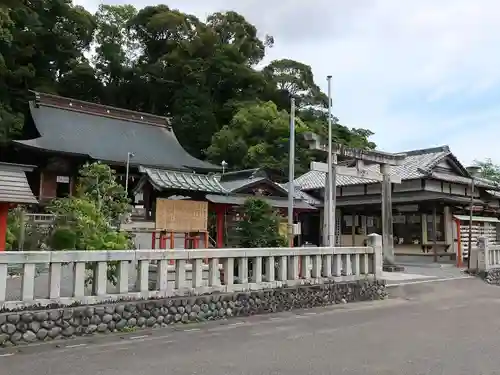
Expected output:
{"points": [[418, 73]]}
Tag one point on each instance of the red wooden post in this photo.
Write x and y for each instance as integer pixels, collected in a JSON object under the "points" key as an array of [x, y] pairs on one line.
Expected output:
{"points": [[153, 240], [4, 212], [220, 210]]}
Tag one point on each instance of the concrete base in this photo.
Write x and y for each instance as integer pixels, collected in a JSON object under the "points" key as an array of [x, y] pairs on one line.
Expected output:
{"points": [[392, 268]]}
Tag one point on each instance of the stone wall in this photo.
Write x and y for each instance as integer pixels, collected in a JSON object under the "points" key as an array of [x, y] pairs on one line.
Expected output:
{"points": [[30, 326], [491, 276]]}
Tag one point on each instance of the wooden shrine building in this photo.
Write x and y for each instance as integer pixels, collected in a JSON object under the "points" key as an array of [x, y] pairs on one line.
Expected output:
{"points": [[62, 134], [430, 206]]}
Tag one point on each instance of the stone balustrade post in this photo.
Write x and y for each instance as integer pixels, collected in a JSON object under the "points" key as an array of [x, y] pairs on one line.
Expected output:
{"points": [[482, 245], [375, 242]]}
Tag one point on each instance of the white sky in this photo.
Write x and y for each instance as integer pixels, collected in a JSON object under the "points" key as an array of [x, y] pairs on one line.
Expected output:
{"points": [[417, 73]]}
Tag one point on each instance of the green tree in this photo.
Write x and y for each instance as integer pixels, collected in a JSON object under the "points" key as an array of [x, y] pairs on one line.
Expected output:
{"points": [[295, 79], [86, 220], [259, 226], [258, 136], [489, 170], [199, 73], [97, 182]]}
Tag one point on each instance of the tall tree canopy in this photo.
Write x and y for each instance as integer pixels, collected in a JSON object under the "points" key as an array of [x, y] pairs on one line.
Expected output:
{"points": [[489, 170], [200, 73]]}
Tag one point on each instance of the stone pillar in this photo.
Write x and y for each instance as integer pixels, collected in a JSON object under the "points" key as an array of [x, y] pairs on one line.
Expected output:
{"points": [[387, 233], [326, 212]]}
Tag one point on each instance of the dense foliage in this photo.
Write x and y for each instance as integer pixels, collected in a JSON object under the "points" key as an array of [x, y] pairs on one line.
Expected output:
{"points": [[92, 213], [202, 74], [259, 225], [489, 170]]}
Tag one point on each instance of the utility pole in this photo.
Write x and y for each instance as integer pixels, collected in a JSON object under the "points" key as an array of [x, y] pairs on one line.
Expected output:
{"points": [[291, 173], [129, 156], [331, 175]]}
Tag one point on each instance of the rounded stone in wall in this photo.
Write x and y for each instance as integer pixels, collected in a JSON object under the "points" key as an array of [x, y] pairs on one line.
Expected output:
{"points": [[27, 317], [107, 318], [91, 329], [9, 328], [34, 326], [141, 321], [102, 328], [55, 331], [42, 334], [119, 309], [3, 338], [29, 336], [16, 337], [132, 322], [13, 318]]}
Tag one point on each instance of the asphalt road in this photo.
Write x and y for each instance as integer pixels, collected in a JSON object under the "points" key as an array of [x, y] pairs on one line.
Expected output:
{"points": [[449, 327]]}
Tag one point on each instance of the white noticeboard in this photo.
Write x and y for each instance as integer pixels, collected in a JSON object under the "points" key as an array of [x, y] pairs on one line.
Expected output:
{"points": [[62, 179]]}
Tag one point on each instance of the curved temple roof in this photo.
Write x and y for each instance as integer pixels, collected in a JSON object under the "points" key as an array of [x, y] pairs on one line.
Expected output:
{"points": [[108, 134]]}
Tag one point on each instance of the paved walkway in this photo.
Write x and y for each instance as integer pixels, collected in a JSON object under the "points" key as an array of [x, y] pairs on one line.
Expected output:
{"points": [[417, 273], [448, 328]]}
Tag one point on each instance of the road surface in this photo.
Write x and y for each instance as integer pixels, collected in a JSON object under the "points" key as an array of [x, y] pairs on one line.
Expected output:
{"points": [[450, 327]]}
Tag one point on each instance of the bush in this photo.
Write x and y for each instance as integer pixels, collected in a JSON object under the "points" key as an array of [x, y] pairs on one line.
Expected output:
{"points": [[259, 226]]}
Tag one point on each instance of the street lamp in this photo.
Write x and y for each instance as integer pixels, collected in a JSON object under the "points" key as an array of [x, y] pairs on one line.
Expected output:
{"points": [[130, 155]]}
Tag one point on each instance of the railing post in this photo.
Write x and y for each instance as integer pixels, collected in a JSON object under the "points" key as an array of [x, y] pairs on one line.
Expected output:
{"points": [[3, 282], [482, 248], [54, 280], [213, 272], [282, 268], [28, 283], [162, 275], [270, 268], [305, 271], [100, 281], [180, 273], [316, 271], [197, 273], [123, 277], [79, 280], [243, 269], [327, 265], [228, 271], [257, 270], [293, 267], [375, 242], [143, 276]]}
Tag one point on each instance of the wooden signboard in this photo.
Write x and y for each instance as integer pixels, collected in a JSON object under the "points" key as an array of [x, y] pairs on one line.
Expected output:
{"points": [[181, 215]]}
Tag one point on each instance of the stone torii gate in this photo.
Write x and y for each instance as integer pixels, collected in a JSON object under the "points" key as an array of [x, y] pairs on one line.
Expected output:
{"points": [[362, 158]]}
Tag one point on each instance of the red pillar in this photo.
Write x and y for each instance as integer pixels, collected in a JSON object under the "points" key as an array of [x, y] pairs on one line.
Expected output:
{"points": [[220, 211], [4, 212]]}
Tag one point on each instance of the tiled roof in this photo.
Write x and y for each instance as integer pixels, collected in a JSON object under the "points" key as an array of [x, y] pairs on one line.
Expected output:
{"points": [[14, 187], [299, 194], [234, 181], [163, 179], [417, 164], [67, 127]]}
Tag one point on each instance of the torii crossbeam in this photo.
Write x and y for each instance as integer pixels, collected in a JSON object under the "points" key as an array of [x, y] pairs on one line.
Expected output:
{"points": [[361, 158]]}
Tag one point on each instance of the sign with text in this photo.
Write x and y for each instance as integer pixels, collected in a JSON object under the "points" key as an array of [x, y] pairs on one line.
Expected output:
{"points": [[181, 215]]}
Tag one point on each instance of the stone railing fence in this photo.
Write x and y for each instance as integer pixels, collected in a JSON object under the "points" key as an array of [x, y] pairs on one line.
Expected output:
{"points": [[176, 272], [487, 257]]}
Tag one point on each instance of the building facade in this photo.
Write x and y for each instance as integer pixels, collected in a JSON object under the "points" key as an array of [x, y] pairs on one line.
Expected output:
{"points": [[431, 205]]}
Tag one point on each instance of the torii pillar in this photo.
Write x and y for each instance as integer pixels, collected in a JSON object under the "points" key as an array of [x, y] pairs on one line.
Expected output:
{"points": [[361, 158]]}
